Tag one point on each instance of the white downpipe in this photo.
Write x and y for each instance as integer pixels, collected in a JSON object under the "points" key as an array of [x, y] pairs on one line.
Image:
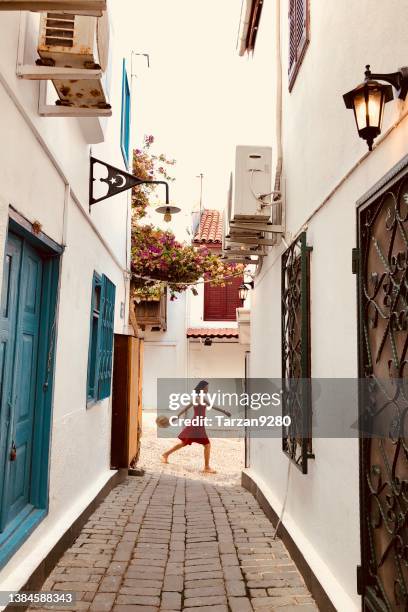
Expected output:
{"points": [[244, 25], [279, 210], [187, 340], [67, 195]]}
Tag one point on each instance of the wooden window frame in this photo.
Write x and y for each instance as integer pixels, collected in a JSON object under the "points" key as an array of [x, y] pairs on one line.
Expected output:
{"points": [[253, 28], [302, 45]]}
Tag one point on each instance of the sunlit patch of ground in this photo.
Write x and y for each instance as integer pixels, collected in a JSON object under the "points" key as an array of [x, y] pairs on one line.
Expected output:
{"points": [[227, 455]]}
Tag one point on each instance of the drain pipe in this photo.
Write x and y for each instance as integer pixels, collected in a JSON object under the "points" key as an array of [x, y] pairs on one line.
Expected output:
{"points": [[277, 215], [246, 9], [67, 197], [277, 212]]}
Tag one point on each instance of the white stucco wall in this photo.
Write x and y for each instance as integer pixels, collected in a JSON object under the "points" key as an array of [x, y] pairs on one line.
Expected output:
{"points": [[40, 160], [321, 146], [165, 353], [220, 360]]}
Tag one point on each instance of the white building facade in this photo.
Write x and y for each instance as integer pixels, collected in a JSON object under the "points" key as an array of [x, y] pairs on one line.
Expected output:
{"points": [[338, 518], [65, 289]]}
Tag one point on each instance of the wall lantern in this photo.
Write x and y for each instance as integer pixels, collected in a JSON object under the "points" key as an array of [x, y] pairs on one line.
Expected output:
{"points": [[244, 290], [118, 181], [369, 99]]}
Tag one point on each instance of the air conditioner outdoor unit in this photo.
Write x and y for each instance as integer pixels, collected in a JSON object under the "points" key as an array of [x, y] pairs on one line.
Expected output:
{"points": [[86, 7], [252, 179], [79, 42], [239, 233]]}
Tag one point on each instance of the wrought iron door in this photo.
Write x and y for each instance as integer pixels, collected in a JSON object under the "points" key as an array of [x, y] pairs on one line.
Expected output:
{"points": [[382, 257], [296, 437]]}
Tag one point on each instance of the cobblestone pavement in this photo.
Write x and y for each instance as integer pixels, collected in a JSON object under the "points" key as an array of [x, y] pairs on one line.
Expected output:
{"points": [[167, 541]]}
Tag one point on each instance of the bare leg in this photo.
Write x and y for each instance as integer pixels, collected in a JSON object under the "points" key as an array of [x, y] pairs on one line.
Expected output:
{"points": [[207, 453], [165, 456]]}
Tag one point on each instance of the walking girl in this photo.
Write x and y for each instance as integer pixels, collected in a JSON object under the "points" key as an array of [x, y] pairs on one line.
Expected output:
{"points": [[196, 433]]}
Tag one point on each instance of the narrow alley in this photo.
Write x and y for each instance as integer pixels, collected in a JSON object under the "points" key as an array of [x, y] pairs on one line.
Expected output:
{"points": [[175, 539], [203, 229]]}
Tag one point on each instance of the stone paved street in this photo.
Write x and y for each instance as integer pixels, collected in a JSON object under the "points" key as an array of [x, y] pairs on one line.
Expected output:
{"points": [[171, 542]]}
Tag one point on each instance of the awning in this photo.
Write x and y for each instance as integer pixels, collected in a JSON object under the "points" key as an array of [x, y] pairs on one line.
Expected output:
{"points": [[212, 332]]}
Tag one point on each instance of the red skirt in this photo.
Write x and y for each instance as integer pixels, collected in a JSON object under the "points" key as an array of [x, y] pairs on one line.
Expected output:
{"points": [[195, 433], [192, 434]]}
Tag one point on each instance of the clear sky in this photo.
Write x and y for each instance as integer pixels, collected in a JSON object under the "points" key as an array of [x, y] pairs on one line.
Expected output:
{"points": [[193, 97]]}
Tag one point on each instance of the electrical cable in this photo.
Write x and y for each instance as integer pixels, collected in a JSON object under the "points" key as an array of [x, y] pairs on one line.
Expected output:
{"points": [[158, 280], [259, 198], [278, 524]]}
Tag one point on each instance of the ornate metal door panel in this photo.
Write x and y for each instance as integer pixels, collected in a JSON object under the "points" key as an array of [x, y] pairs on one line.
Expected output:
{"points": [[383, 342], [296, 438]]}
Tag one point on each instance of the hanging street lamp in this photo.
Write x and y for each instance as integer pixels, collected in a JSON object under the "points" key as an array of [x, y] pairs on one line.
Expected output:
{"points": [[369, 99], [167, 211], [118, 181], [244, 290]]}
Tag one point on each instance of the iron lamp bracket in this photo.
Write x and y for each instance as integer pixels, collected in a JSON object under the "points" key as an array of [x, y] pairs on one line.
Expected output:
{"points": [[398, 79], [117, 181]]}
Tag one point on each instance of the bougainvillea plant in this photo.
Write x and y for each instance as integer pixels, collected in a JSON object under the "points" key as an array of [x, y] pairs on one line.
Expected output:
{"points": [[148, 167], [157, 255]]}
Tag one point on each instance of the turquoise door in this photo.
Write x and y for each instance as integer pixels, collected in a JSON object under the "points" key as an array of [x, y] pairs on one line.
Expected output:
{"points": [[19, 339]]}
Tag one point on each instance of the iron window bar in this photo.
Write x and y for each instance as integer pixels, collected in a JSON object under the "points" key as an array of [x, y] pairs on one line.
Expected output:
{"points": [[296, 363]]}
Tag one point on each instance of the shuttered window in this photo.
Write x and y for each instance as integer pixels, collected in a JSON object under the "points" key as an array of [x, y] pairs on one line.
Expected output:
{"points": [[125, 117], [220, 303], [299, 36], [100, 359]]}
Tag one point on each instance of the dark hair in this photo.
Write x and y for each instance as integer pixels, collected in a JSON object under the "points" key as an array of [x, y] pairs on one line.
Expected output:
{"points": [[201, 385]]}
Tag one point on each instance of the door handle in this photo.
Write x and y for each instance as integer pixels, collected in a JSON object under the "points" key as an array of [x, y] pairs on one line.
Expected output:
{"points": [[13, 452]]}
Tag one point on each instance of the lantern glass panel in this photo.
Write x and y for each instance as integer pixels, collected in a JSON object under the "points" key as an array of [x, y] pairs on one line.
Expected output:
{"points": [[243, 292], [368, 108], [375, 99]]}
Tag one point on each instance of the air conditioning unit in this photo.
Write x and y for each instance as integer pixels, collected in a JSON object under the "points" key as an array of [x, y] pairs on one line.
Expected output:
{"points": [[67, 40], [252, 179], [86, 7]]}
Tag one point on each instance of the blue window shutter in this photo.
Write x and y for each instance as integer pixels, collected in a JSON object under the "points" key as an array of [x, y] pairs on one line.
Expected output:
{"points": [[93, 356], [126, 116], [107, 322]]}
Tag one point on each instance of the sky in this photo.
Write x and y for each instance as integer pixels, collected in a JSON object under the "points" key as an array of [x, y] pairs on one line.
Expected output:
{"points": [[193, 98]]}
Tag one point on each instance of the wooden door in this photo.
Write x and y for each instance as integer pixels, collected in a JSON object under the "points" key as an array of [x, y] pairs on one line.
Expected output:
{"points": [[20, 327], [126, 403]]}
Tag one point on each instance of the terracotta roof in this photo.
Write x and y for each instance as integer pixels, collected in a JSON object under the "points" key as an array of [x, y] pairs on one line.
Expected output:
{"points": [[212, 332], [210, 230]]}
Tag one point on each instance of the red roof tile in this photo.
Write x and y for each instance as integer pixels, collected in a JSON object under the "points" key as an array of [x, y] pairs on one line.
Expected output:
{"points": [[210, 230], [212, 332]]}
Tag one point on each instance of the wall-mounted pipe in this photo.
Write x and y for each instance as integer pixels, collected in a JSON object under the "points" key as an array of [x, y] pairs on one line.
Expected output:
{"points": [[246, 10]]}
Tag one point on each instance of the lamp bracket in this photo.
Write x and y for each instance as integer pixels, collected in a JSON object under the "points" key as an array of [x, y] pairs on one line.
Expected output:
{"points": [[398, 79], [117, 181]]}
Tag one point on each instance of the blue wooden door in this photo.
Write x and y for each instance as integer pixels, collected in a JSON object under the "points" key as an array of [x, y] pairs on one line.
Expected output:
{"points": [[19, 328]]}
